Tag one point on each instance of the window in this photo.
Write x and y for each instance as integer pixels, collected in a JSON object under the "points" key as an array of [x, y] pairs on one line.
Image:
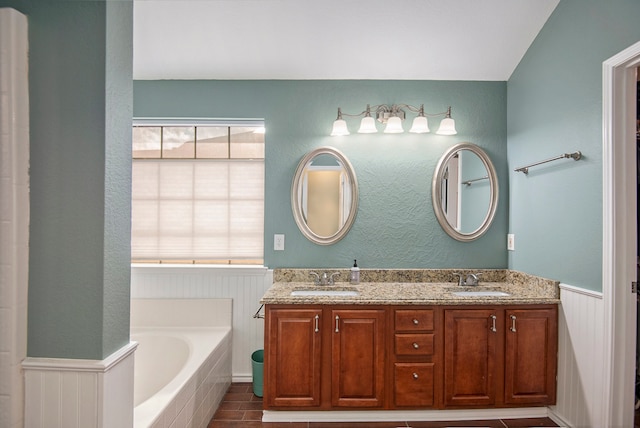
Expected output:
{"points": [[198, 192]]}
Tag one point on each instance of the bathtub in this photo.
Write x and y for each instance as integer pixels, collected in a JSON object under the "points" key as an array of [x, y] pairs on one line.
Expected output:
{"points": [[180, 373]]}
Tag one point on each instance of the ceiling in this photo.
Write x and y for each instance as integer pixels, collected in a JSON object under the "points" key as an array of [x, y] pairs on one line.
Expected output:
{"points": [[334, 39]]}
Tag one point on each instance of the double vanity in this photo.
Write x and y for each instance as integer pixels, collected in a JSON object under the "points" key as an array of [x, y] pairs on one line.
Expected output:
{"points": [[428, 339], [410, 339]]}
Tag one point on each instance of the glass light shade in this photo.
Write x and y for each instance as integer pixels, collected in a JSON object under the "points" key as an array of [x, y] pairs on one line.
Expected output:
{"points": [[367, 125], [447, 127], [339, 128], [420, 125], [394, 126]]}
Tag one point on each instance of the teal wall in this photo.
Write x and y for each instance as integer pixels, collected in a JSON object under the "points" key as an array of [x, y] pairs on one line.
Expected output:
{"points": [[395, 226], [555, 106], [21, 6], [80, 84]]}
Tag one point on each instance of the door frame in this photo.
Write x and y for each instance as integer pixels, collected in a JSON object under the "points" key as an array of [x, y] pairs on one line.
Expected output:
{"points": [[619, 238]]}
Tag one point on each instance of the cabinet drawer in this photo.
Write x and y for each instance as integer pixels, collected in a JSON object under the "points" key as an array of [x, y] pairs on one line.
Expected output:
{"points": [[413, 344], [414, 319], [413, 383]]}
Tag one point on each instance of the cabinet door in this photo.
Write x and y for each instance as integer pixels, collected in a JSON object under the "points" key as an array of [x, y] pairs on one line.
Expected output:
{"points": [[470, 357], [531, 356], [357, 358], [293, 357]]}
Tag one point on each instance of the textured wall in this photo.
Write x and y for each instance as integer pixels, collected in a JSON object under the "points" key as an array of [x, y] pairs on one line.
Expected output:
{"points": [[555, 106], [395, 226], [81, 99]]}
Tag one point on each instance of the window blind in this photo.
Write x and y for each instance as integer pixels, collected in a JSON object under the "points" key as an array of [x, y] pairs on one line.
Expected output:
{"points": [[197, 209]]}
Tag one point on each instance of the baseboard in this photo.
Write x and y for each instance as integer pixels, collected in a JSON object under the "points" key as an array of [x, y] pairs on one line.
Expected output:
{"points": [[242, 378], [558, 419], [402, 415]]}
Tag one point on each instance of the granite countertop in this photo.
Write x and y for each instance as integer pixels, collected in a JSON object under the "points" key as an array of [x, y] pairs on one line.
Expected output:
{"points": [[522, 289]]}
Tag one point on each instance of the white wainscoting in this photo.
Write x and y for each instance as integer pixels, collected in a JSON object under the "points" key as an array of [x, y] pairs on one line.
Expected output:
{"points": [[244, 285], [580, 358], [66, 393]]}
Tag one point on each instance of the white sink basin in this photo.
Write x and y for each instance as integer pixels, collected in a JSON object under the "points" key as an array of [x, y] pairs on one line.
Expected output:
{"points": [[337, 293], [481, 293]]}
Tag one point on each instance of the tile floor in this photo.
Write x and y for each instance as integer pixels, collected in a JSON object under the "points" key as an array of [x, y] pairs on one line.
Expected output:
{"points": [[241, 409]]}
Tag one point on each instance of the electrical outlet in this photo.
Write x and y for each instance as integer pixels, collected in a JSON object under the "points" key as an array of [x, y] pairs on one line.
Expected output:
{"points": [[511, 242], [278, 242]]}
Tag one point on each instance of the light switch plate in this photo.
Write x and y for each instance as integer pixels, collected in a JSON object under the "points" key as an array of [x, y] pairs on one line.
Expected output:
{"points": [[278, 242], [511, 242]]}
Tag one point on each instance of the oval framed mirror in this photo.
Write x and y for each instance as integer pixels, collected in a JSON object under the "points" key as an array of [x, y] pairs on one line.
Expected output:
{"points": [[324, 196], [464, 192]]}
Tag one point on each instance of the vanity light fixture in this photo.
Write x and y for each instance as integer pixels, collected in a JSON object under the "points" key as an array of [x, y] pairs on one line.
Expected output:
{"points": [[393, 116]]}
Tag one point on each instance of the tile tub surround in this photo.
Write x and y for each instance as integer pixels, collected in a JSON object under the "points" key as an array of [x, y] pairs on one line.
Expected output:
{"points": [[419, 287]]}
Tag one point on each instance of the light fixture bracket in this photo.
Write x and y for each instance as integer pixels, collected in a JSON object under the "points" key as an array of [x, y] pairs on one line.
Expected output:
{"points": [[383, 115]]}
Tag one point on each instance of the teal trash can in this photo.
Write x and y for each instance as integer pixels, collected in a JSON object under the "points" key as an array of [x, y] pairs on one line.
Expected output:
{"points": [[257, 363]]}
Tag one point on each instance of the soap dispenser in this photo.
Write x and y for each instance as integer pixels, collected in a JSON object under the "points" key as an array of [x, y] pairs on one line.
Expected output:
{"points": [[355, 273]]}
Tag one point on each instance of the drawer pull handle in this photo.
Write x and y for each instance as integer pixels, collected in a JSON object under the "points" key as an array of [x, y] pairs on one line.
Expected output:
{"points": [[415, 321], [415, 345], [317, 323], [337, 324], [493, 323], [415, 375], [513, 323]]}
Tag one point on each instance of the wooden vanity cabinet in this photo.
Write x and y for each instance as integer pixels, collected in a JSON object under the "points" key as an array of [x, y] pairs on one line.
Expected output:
{"points": [[531, 347], [293, 357], [324, 357], [497, 356], [357, 357], [471, 356], [415, 357]]}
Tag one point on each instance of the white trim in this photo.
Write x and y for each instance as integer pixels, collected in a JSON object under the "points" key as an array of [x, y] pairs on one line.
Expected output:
{"points": [[14, 215], [195, 121], [402, 415], [154, 268], [242, 378], [579, 290], [619, 237], [79, 365], [557, 419]]}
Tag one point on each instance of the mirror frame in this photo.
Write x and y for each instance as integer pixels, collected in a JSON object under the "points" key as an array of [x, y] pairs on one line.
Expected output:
{"points": [[295, 188], [436, 190]]}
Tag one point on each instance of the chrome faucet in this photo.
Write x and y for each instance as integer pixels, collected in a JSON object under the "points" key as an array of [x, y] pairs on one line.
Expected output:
{"points": [[324, 279], [472, 279]]}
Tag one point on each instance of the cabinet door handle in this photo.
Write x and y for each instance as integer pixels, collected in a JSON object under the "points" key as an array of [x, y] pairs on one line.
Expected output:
{"points": [[415, 321], [415, 375], [317, 323], [337, 324], [513, 323], [415, 345], [493, 323]]}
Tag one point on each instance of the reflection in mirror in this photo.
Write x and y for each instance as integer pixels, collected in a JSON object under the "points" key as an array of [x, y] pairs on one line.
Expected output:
{"points": [[465, 192], [324, 196]]}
